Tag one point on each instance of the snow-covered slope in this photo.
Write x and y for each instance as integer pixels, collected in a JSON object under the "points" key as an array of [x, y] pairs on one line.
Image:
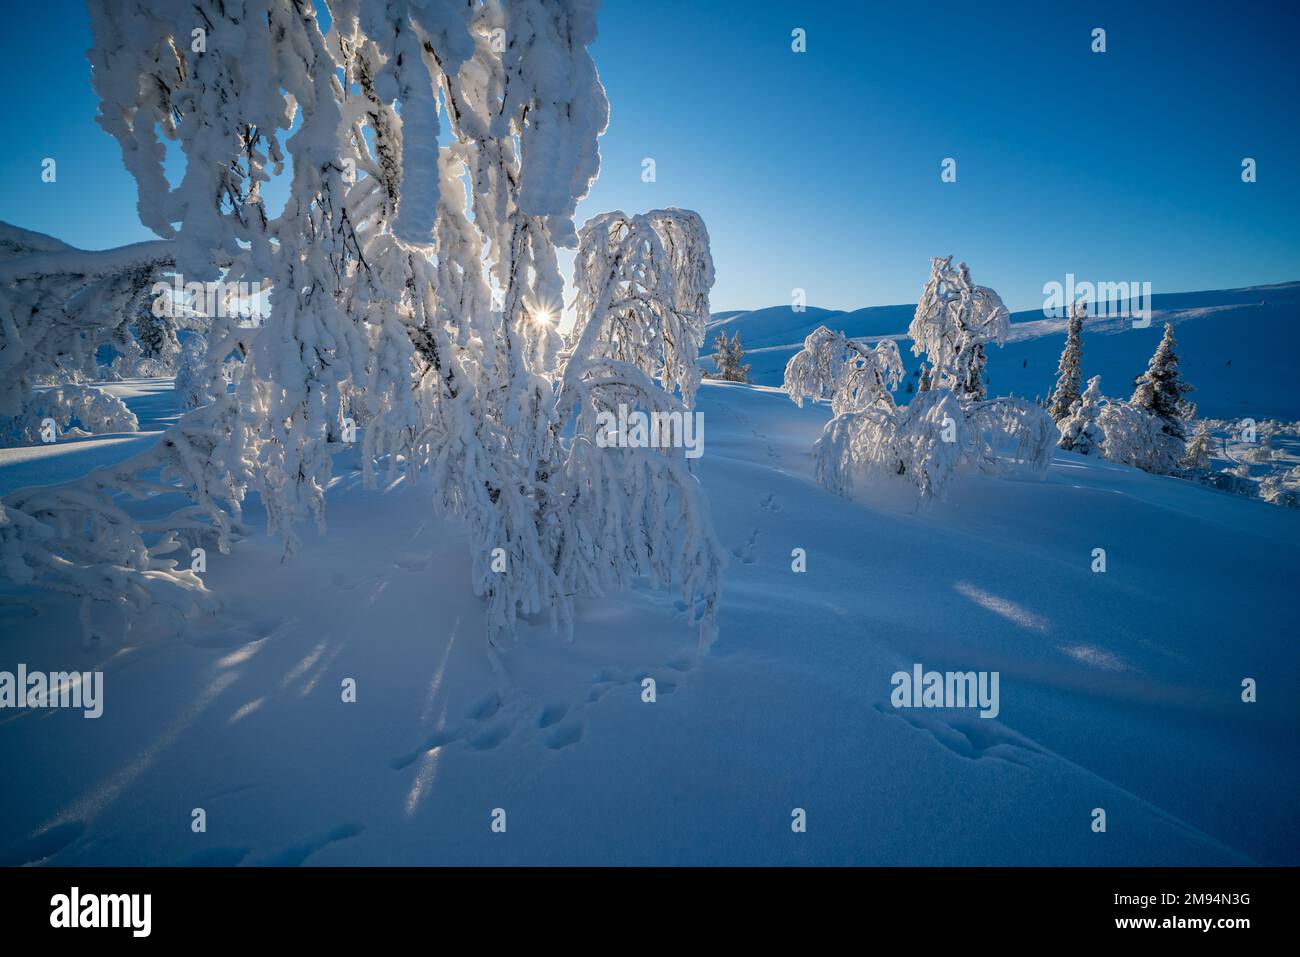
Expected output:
{"points": [[1118, 690], [1229, 344]]}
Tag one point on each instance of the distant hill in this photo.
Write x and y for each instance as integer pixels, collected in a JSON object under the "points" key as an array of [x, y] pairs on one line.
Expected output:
{"points": [[1232, 343]]}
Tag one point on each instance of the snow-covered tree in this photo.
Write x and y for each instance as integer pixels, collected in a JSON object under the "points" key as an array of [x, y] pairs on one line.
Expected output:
{"points": [[59, 304], [851, 375], [643, 283], [1081, 430], [397, 301], [1069, 377], [918, 443], [729, 358], [1199, 448], [198, 380], [1160, 390], [944, 427], [954, 320], [923, 383], [642, 308], [1136, 437]]}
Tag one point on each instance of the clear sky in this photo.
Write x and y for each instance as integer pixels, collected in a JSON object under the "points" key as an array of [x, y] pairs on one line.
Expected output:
{"points": [[821, 170]]}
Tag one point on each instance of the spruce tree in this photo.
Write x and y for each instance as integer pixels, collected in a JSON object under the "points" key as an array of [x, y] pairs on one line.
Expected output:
{"points": [[728, 358], [1080, 430], [1069, 377], [1198, 450], [1161, 388]]}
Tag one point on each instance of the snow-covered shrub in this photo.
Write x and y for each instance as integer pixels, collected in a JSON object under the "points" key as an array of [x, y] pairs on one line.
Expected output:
{"points": [[70, 406], [59, 305], [1197, 455], [1008, 436], [1081, 430], [1282, 488], [1261, 453], [1231, 480], [197, 381], [917, 443], [948, 425], [1136, 437]]}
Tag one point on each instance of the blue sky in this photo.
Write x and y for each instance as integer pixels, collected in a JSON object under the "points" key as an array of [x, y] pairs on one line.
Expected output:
{"points": [[821, 170]]}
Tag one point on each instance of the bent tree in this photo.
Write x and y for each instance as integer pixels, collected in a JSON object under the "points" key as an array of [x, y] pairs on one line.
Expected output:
{"points": [[434, 155]]}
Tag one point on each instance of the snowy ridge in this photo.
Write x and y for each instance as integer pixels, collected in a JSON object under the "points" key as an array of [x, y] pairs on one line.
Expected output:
{"points": [[1213, 327]]}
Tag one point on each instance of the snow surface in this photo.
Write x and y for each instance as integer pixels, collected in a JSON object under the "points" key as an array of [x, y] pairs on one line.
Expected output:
{"points": [[1118, 690]]}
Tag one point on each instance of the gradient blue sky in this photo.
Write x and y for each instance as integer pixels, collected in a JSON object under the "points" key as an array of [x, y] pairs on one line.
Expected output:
{"points": [[821, 170]]}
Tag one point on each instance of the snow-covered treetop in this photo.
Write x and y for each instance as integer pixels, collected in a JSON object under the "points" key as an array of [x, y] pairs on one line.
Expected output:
{"points": [[853, 376], [643, 294], [953, 321]]}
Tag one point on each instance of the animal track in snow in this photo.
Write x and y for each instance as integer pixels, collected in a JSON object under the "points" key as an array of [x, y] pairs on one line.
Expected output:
{"points": [[746, 552], [552, 714], [485, 707], [565, 735], [490, 738]]}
